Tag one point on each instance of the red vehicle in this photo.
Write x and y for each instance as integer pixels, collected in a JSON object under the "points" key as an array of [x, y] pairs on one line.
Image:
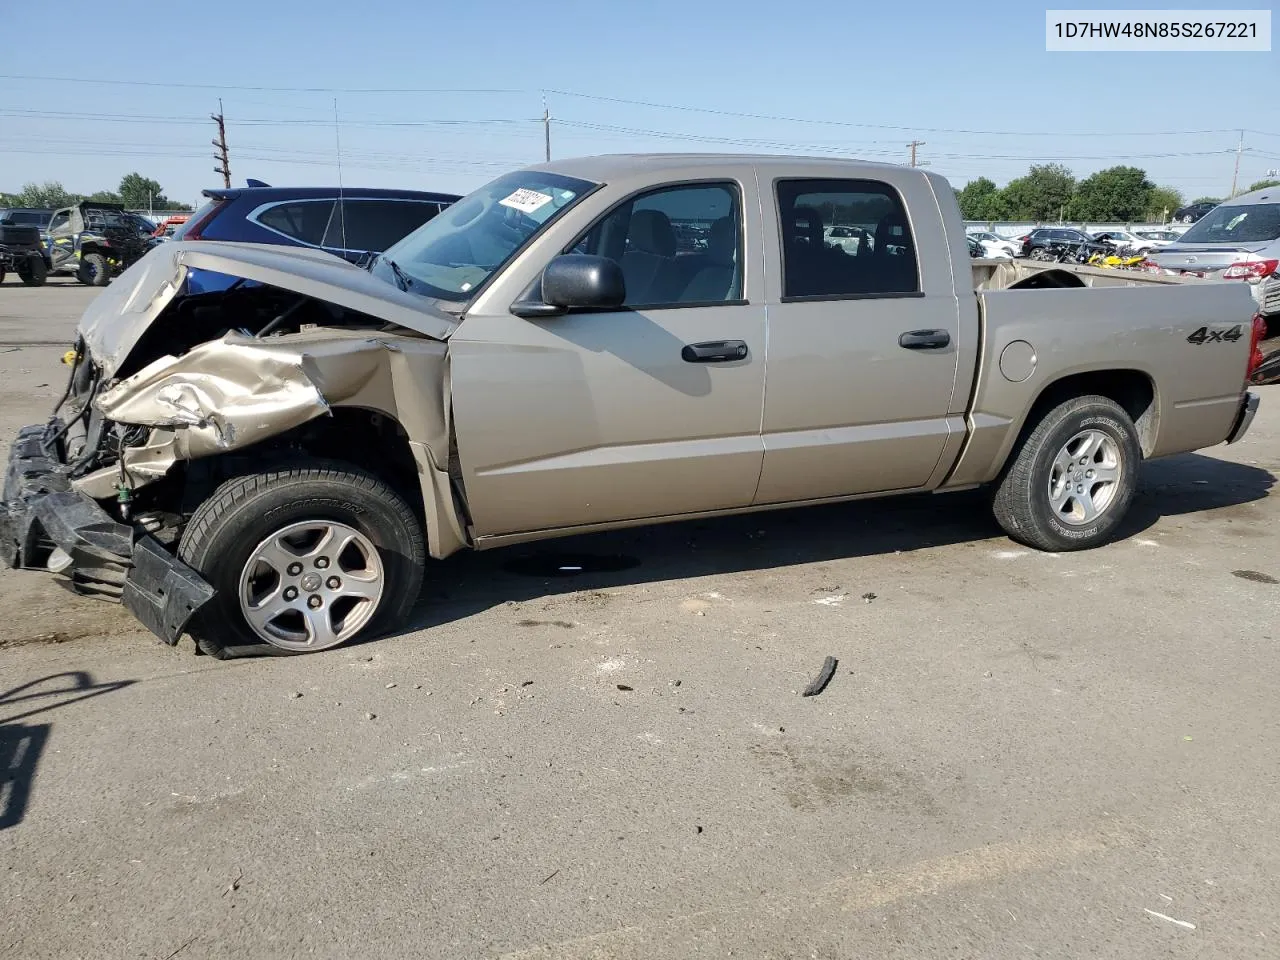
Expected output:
{"points": [[170, 224]]}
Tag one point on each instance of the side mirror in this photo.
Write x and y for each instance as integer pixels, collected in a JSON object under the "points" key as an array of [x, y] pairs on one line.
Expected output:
{"points": [[583, 282]]}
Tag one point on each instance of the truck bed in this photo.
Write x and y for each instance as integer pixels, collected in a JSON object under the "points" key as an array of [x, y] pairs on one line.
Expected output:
{"points": [[1033, 274]]}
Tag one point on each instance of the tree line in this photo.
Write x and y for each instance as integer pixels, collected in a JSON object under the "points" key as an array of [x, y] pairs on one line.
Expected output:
{"points": [[135, 191], [1050, 192]]}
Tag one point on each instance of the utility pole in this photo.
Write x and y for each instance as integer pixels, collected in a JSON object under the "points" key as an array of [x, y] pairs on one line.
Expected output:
{"points": [[1236, 176], [913, 144], [221, 144], [546, 130]]}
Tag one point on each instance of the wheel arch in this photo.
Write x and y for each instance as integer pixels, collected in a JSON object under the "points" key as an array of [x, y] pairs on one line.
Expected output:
{"points": [[1134, 390], [374, 440], [994, 440]]}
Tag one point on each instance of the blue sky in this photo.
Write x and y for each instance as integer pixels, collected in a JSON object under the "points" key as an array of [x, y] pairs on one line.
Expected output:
{"points": [[817, 76]]}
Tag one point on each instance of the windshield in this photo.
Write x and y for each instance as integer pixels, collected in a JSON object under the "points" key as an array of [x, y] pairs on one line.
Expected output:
{"points": [[1255, 223], [450, 256]]}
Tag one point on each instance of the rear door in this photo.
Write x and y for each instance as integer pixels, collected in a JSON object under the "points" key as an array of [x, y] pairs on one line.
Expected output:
{"points": [[600, 417], [863, 349]]}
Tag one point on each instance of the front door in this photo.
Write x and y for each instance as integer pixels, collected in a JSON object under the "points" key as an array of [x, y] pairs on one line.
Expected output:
{"points": [[599, 417], [863, 343]]}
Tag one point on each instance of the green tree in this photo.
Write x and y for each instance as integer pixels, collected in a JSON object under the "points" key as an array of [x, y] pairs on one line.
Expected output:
{"points": [[47, 194], [104, 196], [981, 199], [8, 200], [1117, 193], [138, 191], [1262, 185], [1040, 195], [1161, 203], [1207, 200]]}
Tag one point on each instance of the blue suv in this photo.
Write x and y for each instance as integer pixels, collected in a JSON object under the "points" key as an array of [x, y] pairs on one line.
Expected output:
{"points": [[350, 223]]}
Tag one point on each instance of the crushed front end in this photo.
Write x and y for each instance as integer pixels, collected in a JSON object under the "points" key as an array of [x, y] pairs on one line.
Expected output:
{"points": [[47, 522]]}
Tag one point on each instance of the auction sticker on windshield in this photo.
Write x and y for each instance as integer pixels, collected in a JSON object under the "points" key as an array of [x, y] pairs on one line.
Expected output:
{"points": [[525, 200]]}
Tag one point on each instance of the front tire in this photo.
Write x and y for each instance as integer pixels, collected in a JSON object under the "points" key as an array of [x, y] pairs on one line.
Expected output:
{"points": [[33, 273], [1071, 479], [303, 558], [94, 270]]}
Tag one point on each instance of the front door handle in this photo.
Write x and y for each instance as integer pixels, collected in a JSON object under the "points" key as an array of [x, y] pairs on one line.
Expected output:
{"points": [[714, 351], [924, 339]]}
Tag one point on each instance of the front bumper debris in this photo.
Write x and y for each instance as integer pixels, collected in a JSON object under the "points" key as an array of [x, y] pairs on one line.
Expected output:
{"points": [[47, 524], [1248, 409]]}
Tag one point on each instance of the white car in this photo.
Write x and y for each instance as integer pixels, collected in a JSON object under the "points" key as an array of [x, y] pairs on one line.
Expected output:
{"points": [[849, 239], [996, 247], [1157, 239], [1137, 241]]}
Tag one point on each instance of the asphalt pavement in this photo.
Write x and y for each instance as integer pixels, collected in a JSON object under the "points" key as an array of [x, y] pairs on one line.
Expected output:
{"points": [[1019, 754]]}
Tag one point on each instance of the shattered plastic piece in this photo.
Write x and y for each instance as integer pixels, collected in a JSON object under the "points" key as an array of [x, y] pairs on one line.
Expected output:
{"points": [[819, 683], [1161, 916]]}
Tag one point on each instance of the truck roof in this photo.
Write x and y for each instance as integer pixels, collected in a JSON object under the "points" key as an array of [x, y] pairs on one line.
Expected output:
{"points": [[621, 166]]}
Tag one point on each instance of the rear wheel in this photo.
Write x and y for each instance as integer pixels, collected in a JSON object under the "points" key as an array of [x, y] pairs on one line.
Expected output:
{"points": [[303, 558], [1038, 253], [94, 270], [1072, 478], [33, 273]]}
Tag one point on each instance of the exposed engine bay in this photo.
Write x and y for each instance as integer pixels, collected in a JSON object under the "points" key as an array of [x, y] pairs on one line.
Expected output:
{"points": [[102, 418]]}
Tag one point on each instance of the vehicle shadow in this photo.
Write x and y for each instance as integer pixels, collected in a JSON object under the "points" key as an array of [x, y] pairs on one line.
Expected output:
{"points": [[21, 744], [471, 582]]}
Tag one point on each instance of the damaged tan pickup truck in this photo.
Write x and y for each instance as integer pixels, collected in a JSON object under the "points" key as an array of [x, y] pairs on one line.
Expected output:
{"points": [[584, 345]]}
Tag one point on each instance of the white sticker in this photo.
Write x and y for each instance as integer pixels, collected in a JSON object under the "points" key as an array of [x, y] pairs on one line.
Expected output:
{"points": [[526, 201]]}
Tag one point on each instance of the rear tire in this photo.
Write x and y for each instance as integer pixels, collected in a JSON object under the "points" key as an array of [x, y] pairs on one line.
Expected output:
{"points": [[226, 536], [94, 270], [1086, 444], [34, 272]]}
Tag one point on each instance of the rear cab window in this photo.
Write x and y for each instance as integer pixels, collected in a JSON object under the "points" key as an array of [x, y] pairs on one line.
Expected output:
{"points": [[814, 268]]}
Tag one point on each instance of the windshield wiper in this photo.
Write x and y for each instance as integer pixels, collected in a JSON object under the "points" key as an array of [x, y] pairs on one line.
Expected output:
{"points": [[403, 281]]}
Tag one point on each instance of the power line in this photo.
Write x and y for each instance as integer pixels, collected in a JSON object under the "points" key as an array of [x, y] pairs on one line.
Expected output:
{"points": [[232, 86], [880, 126]]}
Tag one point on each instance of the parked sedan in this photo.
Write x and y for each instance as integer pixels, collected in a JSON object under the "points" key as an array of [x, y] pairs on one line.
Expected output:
{"points": [[1239, 240], [995, 247], [1124, 241], [1192, 212]]}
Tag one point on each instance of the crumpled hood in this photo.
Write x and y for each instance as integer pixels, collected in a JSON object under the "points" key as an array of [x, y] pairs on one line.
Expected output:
{"points": [[121, 314]]}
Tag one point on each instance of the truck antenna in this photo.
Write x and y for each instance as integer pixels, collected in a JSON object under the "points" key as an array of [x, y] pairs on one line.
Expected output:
{"points": [[342, 208]]}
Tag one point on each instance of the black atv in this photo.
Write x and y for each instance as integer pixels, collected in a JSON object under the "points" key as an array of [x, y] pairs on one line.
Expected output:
{"points": [[94, 241], [22, 251]]}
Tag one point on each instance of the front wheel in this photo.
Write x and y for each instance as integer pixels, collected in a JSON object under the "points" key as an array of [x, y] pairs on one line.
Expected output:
{"points": [[302, 559], [1072, 478]]}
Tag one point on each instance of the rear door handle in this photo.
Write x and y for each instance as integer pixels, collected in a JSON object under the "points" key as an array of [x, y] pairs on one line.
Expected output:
{"points": [[714, 351], [924, 339]]}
